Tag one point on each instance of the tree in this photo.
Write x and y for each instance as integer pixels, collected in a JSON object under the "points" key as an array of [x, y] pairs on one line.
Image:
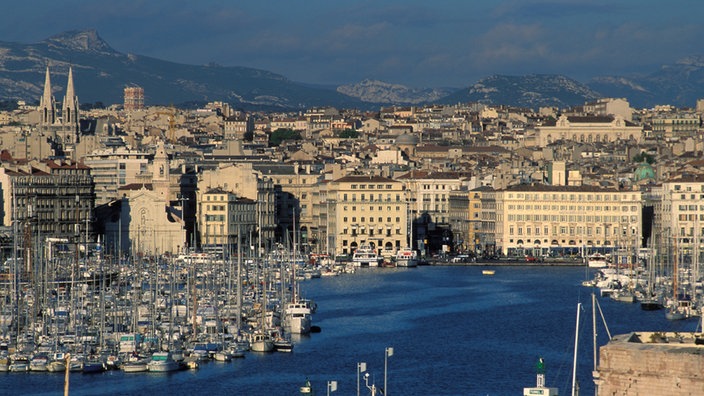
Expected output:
{"points": [[349, 134], [643, 156], [282, 134]]}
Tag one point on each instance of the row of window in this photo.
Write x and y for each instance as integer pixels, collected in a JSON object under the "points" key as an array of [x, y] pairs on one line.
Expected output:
{"points": [[572, 218], [572, 208], [568, 230], [363, 198], [363, 231], [371, 187], [371, 219], [361, 208], [573, 197]]}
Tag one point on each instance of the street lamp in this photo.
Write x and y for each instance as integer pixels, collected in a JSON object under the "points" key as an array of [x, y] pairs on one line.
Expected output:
{"points": [[361, 367], [332, 386], [388, 352]]}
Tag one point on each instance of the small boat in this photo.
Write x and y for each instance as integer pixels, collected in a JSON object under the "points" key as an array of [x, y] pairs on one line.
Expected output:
{"points": [[261, 342], [18, 363], [138, 366], [406, 257], [56, 366], [488, 272], [4, 362], [39, 362], [162, 362], [365, 256], [93, 365], [306, 389], [222, 356], [283, 345], [597, 260]]}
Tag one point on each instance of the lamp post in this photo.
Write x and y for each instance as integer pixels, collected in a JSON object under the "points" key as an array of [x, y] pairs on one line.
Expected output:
{"points": [[388, 352], [361, 367], [332, 387]]}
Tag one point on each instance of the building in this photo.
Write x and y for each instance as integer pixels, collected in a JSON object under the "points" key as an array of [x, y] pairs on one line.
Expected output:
{"points": [[48, 199], [565, 220], [60, 128], [587, 129], [134, 98], [115, 168], [225, 221], [680, 216], [369, 211]]}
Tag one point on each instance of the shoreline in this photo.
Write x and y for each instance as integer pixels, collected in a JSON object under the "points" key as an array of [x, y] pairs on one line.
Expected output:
{"points": [[506, 263]]}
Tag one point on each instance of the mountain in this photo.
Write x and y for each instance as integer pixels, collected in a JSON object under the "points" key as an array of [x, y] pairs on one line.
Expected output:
{"points": [[680, 84], [101, 73], [530, 91], [374, 91]]}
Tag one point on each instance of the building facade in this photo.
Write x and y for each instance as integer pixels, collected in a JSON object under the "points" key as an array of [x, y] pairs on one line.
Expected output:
{"points": [[567, 220], [369, 211]]}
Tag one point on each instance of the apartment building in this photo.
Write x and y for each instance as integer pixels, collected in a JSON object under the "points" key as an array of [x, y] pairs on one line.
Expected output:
{"points": [[224, 220], [368, 211], [681, 214], [566, 220]]}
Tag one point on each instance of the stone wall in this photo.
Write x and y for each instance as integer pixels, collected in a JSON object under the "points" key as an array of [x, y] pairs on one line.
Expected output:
{"points": [[671, 366]]}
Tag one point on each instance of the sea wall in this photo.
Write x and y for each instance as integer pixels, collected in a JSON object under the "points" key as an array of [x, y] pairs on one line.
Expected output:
{"points": [[651, 364]]}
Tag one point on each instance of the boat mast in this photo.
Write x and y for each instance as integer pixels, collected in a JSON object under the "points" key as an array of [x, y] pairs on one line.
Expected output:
{"points": [[576, 343]]}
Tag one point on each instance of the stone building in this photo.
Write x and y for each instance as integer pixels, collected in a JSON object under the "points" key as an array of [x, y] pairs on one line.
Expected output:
{"points": [[368, 211]]}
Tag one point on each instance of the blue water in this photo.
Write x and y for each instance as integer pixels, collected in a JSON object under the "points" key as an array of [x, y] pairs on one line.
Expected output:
{"points": [[453, 331]]}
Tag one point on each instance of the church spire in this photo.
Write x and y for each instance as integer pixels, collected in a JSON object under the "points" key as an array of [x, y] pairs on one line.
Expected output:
{"points": [[70, 104], [47, 104]]}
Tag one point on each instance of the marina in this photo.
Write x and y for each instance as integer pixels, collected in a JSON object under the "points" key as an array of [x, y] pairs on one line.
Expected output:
{"points": [[451, 329]]}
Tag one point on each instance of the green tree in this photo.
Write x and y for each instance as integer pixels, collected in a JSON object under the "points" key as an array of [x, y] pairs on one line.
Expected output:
{"points": [[349, 134], [282, 134], [644, 157]]}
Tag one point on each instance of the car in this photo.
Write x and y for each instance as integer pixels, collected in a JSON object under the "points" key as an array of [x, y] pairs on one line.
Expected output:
{"points": [[531, 259]]}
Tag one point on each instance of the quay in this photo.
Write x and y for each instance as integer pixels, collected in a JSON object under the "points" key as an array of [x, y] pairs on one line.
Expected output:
{"points": [[550, 262]]}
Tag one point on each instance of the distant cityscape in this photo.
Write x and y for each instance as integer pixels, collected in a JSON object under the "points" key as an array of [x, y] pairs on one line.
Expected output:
{"points": [[468, 179]]}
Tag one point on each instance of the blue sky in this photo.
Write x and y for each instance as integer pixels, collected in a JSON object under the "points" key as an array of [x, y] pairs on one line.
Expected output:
{"points": [[415, 43]]}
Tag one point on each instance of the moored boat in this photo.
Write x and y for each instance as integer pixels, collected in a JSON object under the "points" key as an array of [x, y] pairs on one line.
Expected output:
{"points": [[162, 362], [365, 256], [406, 257]]}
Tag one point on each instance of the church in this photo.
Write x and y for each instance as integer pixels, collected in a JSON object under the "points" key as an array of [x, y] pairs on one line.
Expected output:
{"points": [[59, 126]]}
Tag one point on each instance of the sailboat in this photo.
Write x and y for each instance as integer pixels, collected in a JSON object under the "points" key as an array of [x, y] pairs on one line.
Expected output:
{"points": [[676, 309], [406, 256]]}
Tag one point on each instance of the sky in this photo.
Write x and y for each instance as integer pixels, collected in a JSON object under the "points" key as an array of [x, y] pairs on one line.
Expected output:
{"points": [[420, 44]]}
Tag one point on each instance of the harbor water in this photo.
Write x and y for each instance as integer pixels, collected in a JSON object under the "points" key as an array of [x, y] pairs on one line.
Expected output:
{"points": [[453, 330]]}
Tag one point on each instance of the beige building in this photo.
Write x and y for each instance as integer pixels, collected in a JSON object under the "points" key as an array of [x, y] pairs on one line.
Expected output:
{"points": [[224, 219], [368, 211], [542, 220], [588, 129], [680, 216], [115, 168], [245, 182]]}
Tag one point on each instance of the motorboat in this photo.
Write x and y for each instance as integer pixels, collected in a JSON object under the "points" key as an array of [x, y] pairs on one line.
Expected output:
{"points": [[406, 257], [488, 272], [597, 260], [162, 362], [39, 362], [137, 366], [18, 363], [261, 342], [297, 317], [365, 256], [282, 344]]}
